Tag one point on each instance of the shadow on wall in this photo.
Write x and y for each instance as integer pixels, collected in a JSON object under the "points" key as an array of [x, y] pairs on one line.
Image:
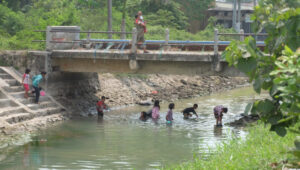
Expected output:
{"points": [[75, 91]]}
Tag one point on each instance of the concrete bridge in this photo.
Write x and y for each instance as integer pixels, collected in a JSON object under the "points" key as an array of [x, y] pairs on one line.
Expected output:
{"points": [[65, 51]]}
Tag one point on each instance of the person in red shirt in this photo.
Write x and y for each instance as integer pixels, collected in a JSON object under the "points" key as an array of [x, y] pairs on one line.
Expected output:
{"points": [[101, 106]]}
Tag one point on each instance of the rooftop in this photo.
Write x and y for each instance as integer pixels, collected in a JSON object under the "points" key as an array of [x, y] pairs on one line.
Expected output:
{"points": [[227, 6]]}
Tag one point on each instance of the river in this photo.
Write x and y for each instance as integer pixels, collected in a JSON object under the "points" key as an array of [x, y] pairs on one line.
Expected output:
{"points": [[121, 141]]}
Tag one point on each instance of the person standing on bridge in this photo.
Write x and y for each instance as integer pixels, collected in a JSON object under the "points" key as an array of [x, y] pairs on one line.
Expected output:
{"points": [[35, 84], [140, 25]]}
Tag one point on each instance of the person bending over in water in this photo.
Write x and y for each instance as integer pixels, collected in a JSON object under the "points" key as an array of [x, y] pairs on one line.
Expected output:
{"points": [[169, 116], [146, 115], [218, 112], [101, 106], [155, 110], [187, 111]]}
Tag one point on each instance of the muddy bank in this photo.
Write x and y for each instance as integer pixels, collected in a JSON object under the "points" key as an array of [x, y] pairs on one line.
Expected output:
{"points": [[244, 120], [131, 89]]}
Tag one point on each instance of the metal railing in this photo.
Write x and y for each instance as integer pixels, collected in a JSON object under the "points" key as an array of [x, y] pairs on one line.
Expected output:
{"points": [[166, 43]]}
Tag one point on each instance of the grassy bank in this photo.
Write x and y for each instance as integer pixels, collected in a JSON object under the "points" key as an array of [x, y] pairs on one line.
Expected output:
{"points": [[262, 149]]}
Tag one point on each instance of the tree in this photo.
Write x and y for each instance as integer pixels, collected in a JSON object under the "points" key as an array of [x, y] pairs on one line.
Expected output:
{"points": [[277, 68]]}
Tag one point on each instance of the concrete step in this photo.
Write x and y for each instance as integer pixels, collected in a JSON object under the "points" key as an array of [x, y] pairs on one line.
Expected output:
{"points": [[41, 105], [2, 71], [20, 117], [12, 82], [17, 94], [48, 111], [5, 76], [14, 88], [31, 100], [11, 110], [7, 103], [44, 120]]}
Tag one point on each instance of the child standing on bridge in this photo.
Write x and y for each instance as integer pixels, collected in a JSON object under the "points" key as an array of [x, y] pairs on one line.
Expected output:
{"points": [[25, 82]]}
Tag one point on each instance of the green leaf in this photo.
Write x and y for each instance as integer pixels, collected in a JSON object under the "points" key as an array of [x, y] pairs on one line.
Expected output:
{"points": [[248, 108], [246, 65], [257, 84], [274, 119], [280, 130], [265, 106]]}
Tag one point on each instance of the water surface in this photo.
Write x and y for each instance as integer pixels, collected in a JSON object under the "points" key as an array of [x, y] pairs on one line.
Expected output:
{"points": [[121, 141]]}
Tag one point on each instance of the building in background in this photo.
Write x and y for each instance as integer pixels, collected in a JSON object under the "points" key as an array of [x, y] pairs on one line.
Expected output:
{"points": [[223, 11]]}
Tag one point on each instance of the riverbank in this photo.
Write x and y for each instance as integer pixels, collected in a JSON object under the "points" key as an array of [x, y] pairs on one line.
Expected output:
{"points": [[126, 89], [261, 149]]}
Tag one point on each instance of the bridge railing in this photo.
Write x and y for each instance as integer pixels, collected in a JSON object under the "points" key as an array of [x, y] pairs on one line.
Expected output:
{"points": [[133, 44]]}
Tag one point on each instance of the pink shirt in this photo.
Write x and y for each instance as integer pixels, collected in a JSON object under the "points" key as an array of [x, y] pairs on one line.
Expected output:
{"points": [[155, 113]]}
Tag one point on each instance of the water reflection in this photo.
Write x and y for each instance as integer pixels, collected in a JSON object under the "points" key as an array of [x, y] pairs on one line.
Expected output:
{"points": [[218, 131], [121, 141]]}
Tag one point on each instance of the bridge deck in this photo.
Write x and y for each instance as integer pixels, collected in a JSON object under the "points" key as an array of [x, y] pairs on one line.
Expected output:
{"points": [[205, 56]]}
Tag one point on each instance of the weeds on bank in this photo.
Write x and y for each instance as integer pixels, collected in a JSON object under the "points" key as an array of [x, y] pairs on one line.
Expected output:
{"points": [[261, 149]]}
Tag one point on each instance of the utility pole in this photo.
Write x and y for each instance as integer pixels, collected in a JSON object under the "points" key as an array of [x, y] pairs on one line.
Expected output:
{"points": [[234, 15], [239, 16], [109, 18], [123, 26]]}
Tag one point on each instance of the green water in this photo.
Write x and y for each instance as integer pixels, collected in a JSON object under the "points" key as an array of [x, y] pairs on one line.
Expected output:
{"points": [[121, 141]]}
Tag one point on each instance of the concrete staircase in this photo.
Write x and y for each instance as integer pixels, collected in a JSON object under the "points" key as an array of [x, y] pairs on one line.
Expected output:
{"points": [[18, 113]]}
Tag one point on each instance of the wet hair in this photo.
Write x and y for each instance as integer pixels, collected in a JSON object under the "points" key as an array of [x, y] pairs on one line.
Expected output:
{"points": [[156, 103], [103, 97], [171, 106], [195, 105], [225, 109], [136, 16], [27, 71], [44, 72]]}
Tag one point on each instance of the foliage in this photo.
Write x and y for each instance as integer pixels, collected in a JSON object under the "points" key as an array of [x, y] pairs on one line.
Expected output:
{"points": [[277, 69], [194, 8], [260, 150]]}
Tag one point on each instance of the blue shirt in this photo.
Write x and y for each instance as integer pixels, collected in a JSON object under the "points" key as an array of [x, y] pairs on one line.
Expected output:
{"points": [[36, 80]]}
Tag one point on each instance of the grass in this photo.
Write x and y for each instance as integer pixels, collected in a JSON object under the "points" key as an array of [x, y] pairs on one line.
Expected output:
{"points": [[260, 150]]}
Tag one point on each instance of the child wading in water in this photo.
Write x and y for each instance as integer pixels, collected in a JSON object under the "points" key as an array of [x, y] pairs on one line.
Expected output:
{"points": [[218, 112], [25, 82], [169, 116], [155, 110], [187, 112], [101, 106]]}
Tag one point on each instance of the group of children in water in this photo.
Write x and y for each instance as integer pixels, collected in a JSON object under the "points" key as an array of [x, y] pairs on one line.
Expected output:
{"points": [[101, 106], [155, 115], [187, 113]]}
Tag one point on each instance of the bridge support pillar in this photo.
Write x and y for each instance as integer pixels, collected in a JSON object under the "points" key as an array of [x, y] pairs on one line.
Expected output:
{"points": [[133, 65], [216, 64]]}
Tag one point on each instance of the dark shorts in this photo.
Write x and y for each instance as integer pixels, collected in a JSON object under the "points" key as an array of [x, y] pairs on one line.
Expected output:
{"points": [[100, 113], [216, 115]]}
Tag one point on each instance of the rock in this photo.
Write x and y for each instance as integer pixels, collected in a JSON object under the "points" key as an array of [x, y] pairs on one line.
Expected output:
{"points": [[183, 82]]}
